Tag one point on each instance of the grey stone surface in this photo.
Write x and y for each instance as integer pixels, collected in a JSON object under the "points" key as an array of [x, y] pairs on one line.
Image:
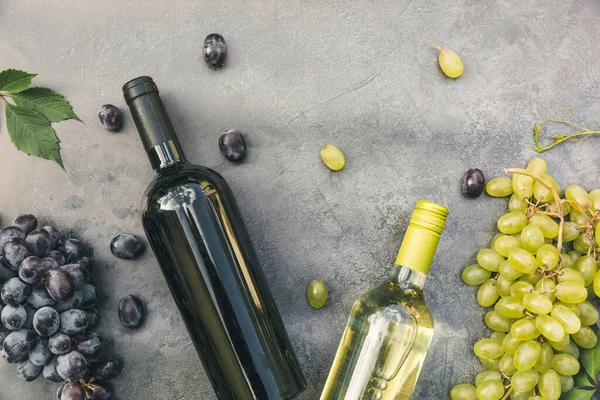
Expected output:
{"points": [[357, 74]]}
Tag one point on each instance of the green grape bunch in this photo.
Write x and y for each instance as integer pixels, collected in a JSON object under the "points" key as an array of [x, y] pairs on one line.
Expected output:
{"points": [[537, 276]]}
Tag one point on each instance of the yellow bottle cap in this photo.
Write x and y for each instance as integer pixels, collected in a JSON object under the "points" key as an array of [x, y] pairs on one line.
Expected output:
{"points": [[422, 236]]}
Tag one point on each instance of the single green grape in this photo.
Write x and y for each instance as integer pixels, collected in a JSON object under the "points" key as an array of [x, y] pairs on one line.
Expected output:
{"points": [[548, 226], [532, 278], [503, 286], [496, 236], [565, 364], [508, 271], [489, 259], [522, 186], [549, 385], [587, 267], [523, 381], [574, 254], [550, 328], [537, 166], [506, 365], [488, 348], [566, 383], [588, 314], [578, 195], [573, 307], [490, 364], [567, 261], [572, 350], [547, 257], [570, 231], [585, 338], [488, 375], [524, 329], [463, 392], [510, 307], [544, 363], [487, 293], [512, 222], [490, 390], [517, 205], [317, 293], [498, 336], [537, 303], [552, 207], [532, 238], [526, 356], [450, 62], [499, 187], [546, 288], [597, 283], [582, 243], [520, 288], [523, 261], [504, 244], [498, 322], [567, 318], [595, 197], [570, 292], [541, 192], [561, 345], [474, 274], [578, 218], [570, 275], [510, 344]]}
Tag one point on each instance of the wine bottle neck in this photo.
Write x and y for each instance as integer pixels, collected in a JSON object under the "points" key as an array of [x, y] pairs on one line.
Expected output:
{"points": [[153, 123], [408, 278]]}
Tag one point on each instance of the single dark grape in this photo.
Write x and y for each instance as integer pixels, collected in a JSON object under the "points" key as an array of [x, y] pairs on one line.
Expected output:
{"points": [[73, 250], [110, 118], [59, 343], [5, 270], [54, 236], [89, 344], [26, 222], [232, 145], [50, 371], [93, 316], [46, 321], [3, 334], [56, 256], [13, 359], [13, 317], [8, 233], [73, 321], [15, 251], [89, 295], [32, 269], [79, 274], [73, 391], [28, 371], [73, 302], [131, 311], [59, 284], [127, 246], [14, 291], [39, 240], [71, 366], [99, 392], [472, 183], [86, 263], [30, 314], [39, 297], [215, 50], [18, 343], [106, 369], [40, 353]]}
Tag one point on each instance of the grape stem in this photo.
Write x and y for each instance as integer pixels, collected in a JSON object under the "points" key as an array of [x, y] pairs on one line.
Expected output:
{"points": [[558, 139], [507, 393], [556, 199], [435, 46]]}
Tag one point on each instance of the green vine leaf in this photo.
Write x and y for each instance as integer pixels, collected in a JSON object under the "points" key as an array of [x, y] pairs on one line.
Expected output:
{"points": [[582, 379], [577, 394], [14, 80], [32, 133], [590, 358], [50, 104]]}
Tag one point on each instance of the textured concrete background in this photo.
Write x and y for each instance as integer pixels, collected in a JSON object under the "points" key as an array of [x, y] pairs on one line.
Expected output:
{"points": [[357, 74]]}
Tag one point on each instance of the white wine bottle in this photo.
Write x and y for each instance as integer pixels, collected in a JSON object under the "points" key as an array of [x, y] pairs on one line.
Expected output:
{"points": [[390, 328]]}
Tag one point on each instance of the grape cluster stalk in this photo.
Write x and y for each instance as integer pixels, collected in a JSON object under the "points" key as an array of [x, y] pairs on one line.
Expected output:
{"points": [[536, 279]]}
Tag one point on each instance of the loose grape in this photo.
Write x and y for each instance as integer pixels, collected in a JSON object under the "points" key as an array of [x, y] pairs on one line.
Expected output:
{"points": [[524, 329], [570, 275], [567, 318], [585, 338], [582, 243], [489, 259], [549, 385], [488, 375], [332, 157], [570, 231], [233, 147], [520, 288], [503, 286], [510, 344], [522, 186], [537, 303], [89, 344], [490, 390], [490, 364], [472, 183], [215, 50], [523, 381], [570, 292], [131, 311], [488, 293], [566, 383], [537, 165], [517, 205], [463, 392], [547, 256], [578, 195], [532, 238], [526, 356], [475, 275], [512, 222], [488, 348], [506, 365], [523, 261], [127, 246], [110, 118], [508, 271], [550, 328], [572, 350], [548, 226], [561, 345], [505, 243], [587, 267], [544, 363], [587, 313], [565, 364], [497, 322], [499, 187], [546, 288], [510, 307]]}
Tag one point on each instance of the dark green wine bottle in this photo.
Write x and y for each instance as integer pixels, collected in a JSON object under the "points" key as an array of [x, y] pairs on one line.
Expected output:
{"points": [[195, 229]]}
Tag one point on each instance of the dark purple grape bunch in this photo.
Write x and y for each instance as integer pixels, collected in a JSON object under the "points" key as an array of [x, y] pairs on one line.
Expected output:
{"points": [[47, 311], [215, 50]]}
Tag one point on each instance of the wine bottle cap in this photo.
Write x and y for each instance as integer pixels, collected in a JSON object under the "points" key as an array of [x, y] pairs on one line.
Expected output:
{"points": [[422, 236], [137, 87]]}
